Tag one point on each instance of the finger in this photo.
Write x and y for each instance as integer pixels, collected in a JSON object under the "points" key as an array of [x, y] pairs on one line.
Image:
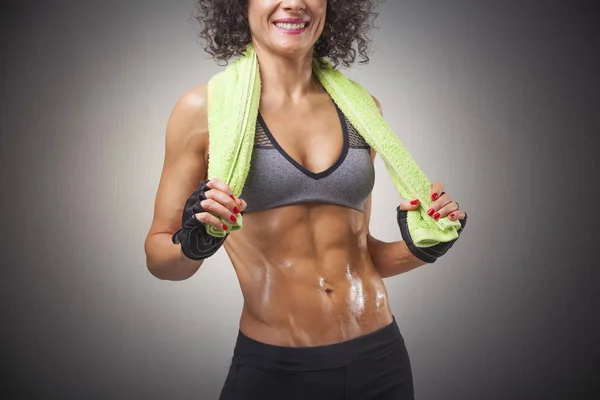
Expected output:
{"points": [[443, 199], [219, 185], [208, 219], [218, 209], [436, 208], [243, 204], [223, 199], [409, 205], [237, 200], [436, 190], [457, 215], [446, 210]]}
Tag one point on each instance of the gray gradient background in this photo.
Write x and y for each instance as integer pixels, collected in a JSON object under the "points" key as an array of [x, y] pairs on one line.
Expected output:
{"points": [[499, 99]]}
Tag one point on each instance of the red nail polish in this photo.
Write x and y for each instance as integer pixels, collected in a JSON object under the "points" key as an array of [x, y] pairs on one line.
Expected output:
{"points": [[434, 196], [236, 210], [233, 218], [436, 215], [430, 212], [224, 227], [452, 215], [232, 198], [414, 202]]}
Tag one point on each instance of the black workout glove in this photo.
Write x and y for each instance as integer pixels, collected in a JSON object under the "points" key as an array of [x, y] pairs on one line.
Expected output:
{"points": [[196, 244], [426, 254]]}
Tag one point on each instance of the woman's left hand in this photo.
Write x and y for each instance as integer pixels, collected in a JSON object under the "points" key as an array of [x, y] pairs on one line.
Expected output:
{"points": [[442, 205]]}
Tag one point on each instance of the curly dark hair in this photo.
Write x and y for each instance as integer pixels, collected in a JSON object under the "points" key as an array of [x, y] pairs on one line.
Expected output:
{"points": [[224, 29]]}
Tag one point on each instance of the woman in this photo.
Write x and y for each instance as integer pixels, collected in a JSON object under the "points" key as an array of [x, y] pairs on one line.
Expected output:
{"points": [[316, 321]]}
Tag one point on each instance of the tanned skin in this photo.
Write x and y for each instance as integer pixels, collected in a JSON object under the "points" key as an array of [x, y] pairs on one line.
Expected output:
{"points": [[310, 274]]}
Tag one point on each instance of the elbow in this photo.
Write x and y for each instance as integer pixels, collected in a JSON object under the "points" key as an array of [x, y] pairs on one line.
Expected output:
{"points": [[168, 271], [148, 252], [154, 269], [155, 264], [151, 264], [166, 262]]}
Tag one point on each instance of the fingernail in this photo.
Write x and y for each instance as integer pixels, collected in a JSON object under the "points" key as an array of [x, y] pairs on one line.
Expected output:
{"points": [[434, 196], [414, 202], [436, 215], [224, 227], [452, 216], [430, 212], [233, 218], [236, 210], [232, 198]]}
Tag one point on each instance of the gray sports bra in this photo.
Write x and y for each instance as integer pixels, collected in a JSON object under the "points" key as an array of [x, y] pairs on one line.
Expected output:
{"points": [[275, 179]]}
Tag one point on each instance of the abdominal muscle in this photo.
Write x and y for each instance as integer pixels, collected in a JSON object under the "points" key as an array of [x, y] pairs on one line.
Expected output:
{"points": [[306, 276]]}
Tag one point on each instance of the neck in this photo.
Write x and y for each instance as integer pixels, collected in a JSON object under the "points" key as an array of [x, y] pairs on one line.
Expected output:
{"points": [[286, 78]]}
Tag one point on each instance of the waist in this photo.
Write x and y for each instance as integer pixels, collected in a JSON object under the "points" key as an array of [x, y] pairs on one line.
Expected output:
{"points": [[306, 303], [303, 317], [310, 282], [370, 345]]}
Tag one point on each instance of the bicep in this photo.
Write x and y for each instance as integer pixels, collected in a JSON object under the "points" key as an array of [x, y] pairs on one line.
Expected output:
{"points": [[185, 164]]}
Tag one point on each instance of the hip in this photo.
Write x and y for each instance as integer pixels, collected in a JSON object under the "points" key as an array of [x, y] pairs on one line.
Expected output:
{"points": [[374, 365], [308, 324]]}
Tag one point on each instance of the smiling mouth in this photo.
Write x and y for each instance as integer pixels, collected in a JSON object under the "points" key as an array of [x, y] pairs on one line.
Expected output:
{"points": [[291, 26]]}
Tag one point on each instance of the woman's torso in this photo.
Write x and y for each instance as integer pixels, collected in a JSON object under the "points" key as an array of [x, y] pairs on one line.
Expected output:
{"points": [[301, 257]]}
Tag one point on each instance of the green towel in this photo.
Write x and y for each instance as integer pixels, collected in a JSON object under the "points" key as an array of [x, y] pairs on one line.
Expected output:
{"points": [[233, 101]]}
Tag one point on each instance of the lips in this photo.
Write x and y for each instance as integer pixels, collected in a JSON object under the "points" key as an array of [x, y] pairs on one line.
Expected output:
{"points": [[291, 21], [291, 27]]}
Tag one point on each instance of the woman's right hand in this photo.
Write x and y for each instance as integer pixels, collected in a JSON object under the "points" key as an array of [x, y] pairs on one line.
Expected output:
{"points": [[211, 200], [219, 201], [178, 198]]}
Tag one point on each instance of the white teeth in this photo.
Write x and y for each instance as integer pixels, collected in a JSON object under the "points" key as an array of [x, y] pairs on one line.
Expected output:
{"points": [[284, 25]]}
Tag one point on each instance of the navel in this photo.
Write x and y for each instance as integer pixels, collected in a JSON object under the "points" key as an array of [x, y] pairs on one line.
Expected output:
{"points": [[325, 285]]}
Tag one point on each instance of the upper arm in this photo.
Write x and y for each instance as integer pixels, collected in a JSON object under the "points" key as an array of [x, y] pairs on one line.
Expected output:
{"points": [[369, 199], [185, 162]]}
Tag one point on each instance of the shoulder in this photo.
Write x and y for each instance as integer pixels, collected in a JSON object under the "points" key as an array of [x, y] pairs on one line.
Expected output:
{"points": [[356, 83], [191, 106], [378, 104], [189, 114], [188, 123]]}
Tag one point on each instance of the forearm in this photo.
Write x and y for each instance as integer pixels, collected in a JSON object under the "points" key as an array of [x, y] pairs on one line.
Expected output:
{"points": [[166, 261], [393, 258]]}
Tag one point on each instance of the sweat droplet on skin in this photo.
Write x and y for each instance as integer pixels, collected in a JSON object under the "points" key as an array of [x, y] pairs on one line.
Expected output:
{"points": [[356, 293]]}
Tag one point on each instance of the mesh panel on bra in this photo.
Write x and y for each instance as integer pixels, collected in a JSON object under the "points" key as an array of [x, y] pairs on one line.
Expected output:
{"points": [[276, 180], [261, 139], [356, 141]]}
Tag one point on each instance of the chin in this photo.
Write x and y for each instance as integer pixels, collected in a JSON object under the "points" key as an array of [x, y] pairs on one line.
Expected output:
{"points": [[292, 49]]}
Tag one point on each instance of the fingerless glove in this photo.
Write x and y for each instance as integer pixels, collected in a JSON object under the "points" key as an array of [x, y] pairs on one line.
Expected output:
{"points": [[196, 243], [425, 254]]}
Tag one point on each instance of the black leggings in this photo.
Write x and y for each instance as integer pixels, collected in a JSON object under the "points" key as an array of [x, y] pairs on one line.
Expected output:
{"points": [[375, 366]]}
